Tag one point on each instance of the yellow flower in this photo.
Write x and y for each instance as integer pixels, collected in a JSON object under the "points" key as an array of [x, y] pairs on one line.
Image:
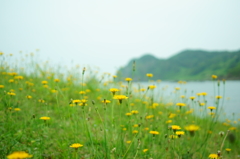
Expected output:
{"points": [[154, 132], [171, 115], [211, 108], [149, 75], [120, 97], [180, 133], [175, 127], [29, 97], [18, 77], [106, 101], [11, 93], [41, 101], [114, 76], [134, 112], [173, 136], [11, 81], [192, 129], [228, 149], [1, 86], [181, 104], [218, 97], [44, 82], [113, 90], [19, 155], [214, 76], [54, 91], [128, 142], [204, 93], [56, 80], [149, 116], [145, 150], [82, 92], [182, 96], [151, 86], [76, 145], [142, 89], [168, 121], [45, 118], [213, 156], [192, 98], [135, 132], [128, 79], [17, 109], [135, 125], [177, 88], [128, 114]]}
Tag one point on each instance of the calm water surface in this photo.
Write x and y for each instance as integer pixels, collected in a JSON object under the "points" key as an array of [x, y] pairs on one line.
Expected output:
{"points": [[231, 94]]}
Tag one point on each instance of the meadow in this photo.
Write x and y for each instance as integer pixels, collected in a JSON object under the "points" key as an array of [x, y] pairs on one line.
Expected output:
{"points": [[49, 112]]}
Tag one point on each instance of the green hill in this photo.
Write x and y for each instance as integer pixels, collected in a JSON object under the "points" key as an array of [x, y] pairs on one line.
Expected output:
{"points": [[186, 65]]}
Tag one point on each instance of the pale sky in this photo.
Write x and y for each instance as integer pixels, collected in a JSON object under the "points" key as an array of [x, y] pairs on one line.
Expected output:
{"points": [[108, 33]]}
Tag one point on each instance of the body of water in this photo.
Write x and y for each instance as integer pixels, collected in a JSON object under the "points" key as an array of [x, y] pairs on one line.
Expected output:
{"points": [[230, 91]]}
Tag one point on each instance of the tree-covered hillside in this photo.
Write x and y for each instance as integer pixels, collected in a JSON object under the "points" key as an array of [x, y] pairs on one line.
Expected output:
{"points": [[186, 65]]}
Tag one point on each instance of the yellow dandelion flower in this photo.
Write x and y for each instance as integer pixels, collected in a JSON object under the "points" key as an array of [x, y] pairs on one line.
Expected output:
{"points": [[149, 116], [145, 150], [149, 75], [213, 156], [180, 133], [113, 90], [228, 149], [56, 80], [124, 129], [128, 79], [171, 115], [218, 97], [11, 81], [45, 118], [106, 101], [29, 97], [135, 132], [44, 82], [211, 108], [11, 93], [1, 86], [192, 97], [146, 129], [151, 86], [181, 104], [18, 77], [76, 145], [19, 155], [17, 109], [175, 127], [173, 136], [177, 88], [128, 114], [204, 93], [128, 142], [120, 98], [82, 92], [134, 112], [154, 132], [214, 76], [114, 76], [168, 121]]}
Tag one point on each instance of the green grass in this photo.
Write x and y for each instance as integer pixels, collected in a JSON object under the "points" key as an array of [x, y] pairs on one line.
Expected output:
{"points": [[104, 130]]}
